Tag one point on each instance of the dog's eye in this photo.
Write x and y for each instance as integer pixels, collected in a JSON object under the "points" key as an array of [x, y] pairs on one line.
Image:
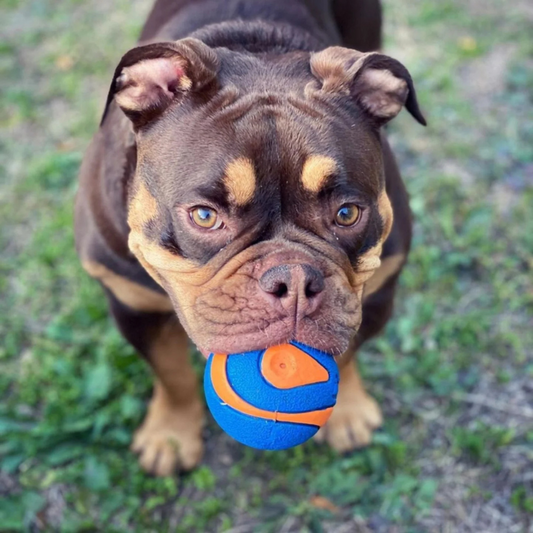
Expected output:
{"points": [[205, 217], [348, 215]]}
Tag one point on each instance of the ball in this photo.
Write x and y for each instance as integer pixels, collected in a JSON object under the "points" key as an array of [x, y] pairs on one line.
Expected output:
{"points": [[272, 399]]}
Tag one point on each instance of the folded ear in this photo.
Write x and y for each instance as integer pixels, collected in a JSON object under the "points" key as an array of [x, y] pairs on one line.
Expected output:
{"points": [[380, 85], [149, 78]]}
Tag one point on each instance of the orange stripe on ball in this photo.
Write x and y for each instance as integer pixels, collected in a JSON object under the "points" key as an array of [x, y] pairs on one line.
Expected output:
{"points": [[224, 391], [286, 367]]}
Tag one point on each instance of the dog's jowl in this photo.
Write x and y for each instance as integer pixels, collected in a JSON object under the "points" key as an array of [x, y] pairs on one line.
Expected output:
{"points": [[239, 192]]}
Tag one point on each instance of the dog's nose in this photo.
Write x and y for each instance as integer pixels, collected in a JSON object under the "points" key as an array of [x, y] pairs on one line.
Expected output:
{"points": [[302, 281]]}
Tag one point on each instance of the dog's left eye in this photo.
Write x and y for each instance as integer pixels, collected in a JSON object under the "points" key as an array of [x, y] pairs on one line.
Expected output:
{"points": [[205, 217], [348, 215]]}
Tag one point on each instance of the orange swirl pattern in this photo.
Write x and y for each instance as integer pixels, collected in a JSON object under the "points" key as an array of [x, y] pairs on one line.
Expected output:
{"points": [[225, 392], [287, 367]]}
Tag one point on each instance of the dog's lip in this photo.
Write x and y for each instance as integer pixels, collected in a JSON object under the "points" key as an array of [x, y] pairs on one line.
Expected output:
{"points": [[248, 343], [242, 343]]}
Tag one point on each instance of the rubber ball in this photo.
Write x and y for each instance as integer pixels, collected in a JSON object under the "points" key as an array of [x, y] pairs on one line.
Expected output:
{"points": [[272, 399]]}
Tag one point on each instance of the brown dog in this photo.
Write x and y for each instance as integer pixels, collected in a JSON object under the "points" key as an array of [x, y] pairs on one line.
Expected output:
{"points": [[239, 180]]}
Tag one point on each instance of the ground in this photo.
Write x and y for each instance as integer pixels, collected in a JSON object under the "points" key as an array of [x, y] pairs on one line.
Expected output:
{"points": [[453, 370]]}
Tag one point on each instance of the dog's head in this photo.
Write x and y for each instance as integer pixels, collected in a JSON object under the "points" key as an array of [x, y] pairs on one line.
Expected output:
{"points": [[258, 201]]}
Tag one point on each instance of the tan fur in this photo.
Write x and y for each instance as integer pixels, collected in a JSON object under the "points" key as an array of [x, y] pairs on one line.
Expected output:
{"points": [[171, 433], [152, 256], [157, 261], [386, 213], [315, 172], [355, 415], [178, 276], [336, 67], [383, 94], [378, 90], [389, 266], [142, 209], [370, 261], [129, 293], [240, 180], [170, 436], [196, 291], [147, 82]]}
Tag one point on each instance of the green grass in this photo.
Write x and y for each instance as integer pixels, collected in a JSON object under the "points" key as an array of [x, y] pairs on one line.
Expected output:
{"points": [[72, 391]]}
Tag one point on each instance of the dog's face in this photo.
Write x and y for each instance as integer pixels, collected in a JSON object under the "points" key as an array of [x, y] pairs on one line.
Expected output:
{"points": [[259, 202]]}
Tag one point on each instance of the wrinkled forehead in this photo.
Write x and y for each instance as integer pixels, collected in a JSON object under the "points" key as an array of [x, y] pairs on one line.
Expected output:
{"points": [[249, 139]]}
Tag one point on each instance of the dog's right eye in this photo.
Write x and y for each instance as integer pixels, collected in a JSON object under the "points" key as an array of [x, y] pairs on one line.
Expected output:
{"points": [[348, 215], [205, 217]]}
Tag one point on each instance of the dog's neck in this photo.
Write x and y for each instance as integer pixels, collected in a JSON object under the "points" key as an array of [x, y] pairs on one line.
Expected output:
{"points": [[260, 36], [286, 25]]}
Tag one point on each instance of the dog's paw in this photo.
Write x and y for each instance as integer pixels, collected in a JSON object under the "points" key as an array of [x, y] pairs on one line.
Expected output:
{"points": [[170, 440], [355, 416]]}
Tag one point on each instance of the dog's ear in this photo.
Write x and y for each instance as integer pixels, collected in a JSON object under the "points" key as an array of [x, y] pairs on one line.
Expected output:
{"points": [[379, 84], [149, 78]]}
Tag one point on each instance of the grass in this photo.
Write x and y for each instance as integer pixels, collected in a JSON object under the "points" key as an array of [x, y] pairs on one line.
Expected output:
{"points": [[453, 370]]}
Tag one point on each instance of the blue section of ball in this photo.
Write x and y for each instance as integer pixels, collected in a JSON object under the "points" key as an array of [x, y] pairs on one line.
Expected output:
{"points": [[256, 432], [244, 376]]}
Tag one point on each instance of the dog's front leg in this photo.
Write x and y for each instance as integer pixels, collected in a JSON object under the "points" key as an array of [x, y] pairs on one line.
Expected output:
{"points": [[356, 414], [170, 436]]}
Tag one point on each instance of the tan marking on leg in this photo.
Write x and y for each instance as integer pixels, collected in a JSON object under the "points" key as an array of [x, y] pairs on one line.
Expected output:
{"points": [[389, 266], [316, 171], [240, 180], [355, 416], [129, 293], [171, 434]]}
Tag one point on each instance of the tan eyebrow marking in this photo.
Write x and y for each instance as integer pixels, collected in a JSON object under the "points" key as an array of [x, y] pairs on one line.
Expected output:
{"points": [[316, 170], [240, 180]]}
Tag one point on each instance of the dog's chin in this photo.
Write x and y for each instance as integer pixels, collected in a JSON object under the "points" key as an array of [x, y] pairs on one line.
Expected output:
{"points": [[204, 351], [333, 339]]}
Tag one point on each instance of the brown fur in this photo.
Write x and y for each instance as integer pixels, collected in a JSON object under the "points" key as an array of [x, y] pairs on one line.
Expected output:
{"points": [[131, 294], [355, 416], [171, 432], [370, 261], [231, 111], [389, 266], [151, 82], [384, 94], [381, 84], [337, 67]]}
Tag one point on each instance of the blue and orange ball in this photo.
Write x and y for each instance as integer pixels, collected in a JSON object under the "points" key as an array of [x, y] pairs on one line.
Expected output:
{"points": [[272, 399]]}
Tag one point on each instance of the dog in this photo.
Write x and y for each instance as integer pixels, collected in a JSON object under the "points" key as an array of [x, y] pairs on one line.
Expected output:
{"points": [[240, 192]]}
